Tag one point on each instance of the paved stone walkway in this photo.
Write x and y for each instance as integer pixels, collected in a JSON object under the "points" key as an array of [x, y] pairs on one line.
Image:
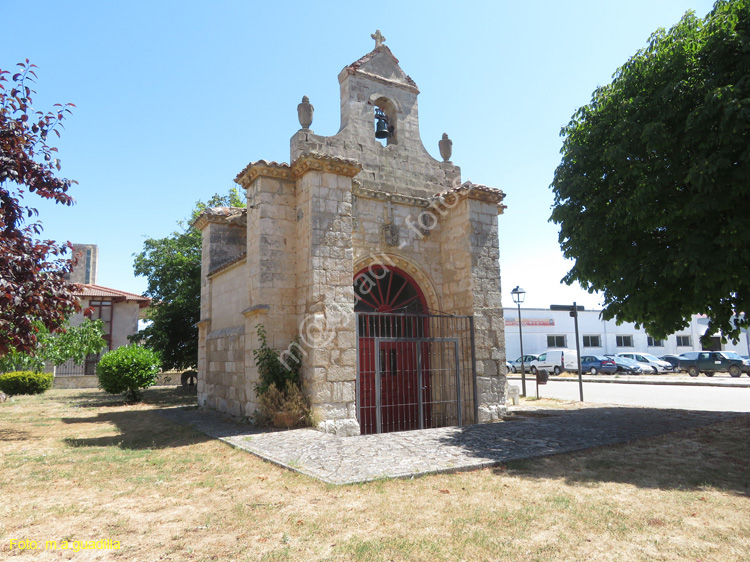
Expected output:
{"points": [[346, 460]]}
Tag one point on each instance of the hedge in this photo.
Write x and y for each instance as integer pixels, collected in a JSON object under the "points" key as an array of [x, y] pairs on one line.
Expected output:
{"points": [[25, 382]]}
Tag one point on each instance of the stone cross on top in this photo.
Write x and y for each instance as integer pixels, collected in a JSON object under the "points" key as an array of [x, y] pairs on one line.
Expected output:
{"points": [[379, 39]]}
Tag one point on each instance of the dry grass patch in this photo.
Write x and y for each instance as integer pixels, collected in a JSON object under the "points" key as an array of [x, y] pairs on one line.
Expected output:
{"points": [[79, 465]]}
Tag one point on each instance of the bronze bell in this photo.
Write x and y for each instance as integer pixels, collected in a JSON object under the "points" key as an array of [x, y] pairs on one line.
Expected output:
{"points": [[381, 126]]}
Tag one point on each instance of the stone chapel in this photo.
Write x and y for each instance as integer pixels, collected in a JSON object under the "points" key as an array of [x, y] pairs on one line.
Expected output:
{"points": [[372, 257]]}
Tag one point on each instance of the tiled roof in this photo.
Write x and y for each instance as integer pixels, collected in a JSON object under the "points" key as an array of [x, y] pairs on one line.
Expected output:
{"points": [[228, 215], [97, 291]]}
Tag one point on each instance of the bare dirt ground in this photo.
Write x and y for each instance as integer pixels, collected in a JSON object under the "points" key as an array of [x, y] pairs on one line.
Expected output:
{"points": [[80, 465]]}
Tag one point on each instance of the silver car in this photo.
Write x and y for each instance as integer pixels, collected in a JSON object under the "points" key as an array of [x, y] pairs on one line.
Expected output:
{"points": [[657, 365], [515, 366]]}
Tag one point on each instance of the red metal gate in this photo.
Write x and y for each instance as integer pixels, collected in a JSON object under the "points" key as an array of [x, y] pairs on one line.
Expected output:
{"points": [[408, 379]]}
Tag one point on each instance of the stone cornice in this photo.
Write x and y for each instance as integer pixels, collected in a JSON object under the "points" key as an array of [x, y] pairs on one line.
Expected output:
{"points": [[314, 161], [255, 310], [385, 81], [360, 191], [263, 168], [474, 191], [241, 259]]}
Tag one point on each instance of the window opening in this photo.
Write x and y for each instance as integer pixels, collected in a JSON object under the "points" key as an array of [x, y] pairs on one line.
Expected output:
{"points": [[684, 341], [555, 341], [385, 122], [591, 341], [624, 341]]}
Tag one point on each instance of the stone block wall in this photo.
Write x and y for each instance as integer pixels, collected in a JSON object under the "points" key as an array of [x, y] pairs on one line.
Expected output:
{"points": [[272, 253], [229, 296], [223, 245], [223, 388], [325, 294], [472, 286]]}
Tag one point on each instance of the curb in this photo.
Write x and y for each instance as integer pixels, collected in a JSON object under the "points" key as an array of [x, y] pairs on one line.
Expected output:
{"points": [[706, 381]]}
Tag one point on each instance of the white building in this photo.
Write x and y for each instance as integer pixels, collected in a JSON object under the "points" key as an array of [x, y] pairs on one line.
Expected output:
{"points": [[545, 329]]}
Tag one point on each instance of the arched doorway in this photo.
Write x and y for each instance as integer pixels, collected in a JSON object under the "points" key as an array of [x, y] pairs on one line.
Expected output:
{"points": [[393, 393]]}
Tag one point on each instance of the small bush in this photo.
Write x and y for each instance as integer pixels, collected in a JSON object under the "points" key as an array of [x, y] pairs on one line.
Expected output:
{"points": [[285, 408], [127, 370], [271, 370], [25, 382], [281, 401]]}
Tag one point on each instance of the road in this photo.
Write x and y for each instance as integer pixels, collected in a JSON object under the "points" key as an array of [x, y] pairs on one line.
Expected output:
{"points": [[685, 397]]}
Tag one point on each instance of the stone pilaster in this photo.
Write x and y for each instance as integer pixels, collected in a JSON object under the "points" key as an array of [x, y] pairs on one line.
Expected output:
{"points": [[223, 242], [271, 248], [471, 273], [325, 296]]}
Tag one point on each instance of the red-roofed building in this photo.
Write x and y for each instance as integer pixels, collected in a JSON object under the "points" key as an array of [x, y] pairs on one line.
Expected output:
{"points": [[119, 311]]}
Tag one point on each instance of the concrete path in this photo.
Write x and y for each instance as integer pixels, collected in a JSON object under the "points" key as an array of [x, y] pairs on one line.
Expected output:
{"points": [[532, 433]]}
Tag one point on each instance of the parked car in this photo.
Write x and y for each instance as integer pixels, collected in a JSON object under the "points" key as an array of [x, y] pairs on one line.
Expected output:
{"points": [[527, 359], [595, 364], [556, 360], [627, 366], [710, 362], [657, 365], [509, 367], [673, 360]]}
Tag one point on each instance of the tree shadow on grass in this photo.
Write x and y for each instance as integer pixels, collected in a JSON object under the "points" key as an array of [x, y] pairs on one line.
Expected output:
{"points": [[172, 425], [163, 396], [137, 429], [645, 447], [14, 435]]}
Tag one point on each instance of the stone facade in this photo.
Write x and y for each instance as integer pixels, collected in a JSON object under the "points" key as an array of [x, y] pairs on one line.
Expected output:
{"points": [[344, 203]]}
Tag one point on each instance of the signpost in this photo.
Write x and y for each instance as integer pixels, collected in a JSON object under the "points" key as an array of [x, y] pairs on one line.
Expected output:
{"points": [[573, 310]]}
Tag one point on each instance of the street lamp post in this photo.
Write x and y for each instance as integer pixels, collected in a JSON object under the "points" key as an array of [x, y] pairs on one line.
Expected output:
{"points": [[519, 295]]}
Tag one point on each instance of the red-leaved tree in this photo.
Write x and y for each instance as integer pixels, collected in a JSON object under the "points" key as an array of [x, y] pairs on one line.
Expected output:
{"points": [[33, 288]]}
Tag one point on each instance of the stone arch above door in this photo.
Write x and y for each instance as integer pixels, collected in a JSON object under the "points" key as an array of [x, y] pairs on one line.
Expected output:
{"points": [[407, 266]]}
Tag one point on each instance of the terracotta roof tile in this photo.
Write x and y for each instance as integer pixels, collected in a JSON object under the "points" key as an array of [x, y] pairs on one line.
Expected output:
{"points": [[97, 291]]}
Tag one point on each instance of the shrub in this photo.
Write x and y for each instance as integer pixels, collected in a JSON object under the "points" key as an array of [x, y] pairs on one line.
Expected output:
{"points": [[25, 382], [271, 371], [280, 398], [285, 408], [127, 370]]}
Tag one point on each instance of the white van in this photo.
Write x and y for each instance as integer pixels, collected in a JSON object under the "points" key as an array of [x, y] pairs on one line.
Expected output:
{"points": [[556, 360]]}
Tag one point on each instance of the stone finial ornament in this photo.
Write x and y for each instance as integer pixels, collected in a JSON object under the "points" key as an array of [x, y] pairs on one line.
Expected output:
{"points": [[305, 112], [446, 147], [379, 38]]}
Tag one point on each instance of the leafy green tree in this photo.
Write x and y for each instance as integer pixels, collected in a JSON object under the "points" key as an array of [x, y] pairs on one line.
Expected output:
{"points": [[74, 343], [653, 192], [33, 289], [68, 342], [173, 268]]}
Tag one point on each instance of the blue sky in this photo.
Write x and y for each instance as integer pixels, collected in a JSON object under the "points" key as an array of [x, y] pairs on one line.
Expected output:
{"points": [[175, 98]]}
